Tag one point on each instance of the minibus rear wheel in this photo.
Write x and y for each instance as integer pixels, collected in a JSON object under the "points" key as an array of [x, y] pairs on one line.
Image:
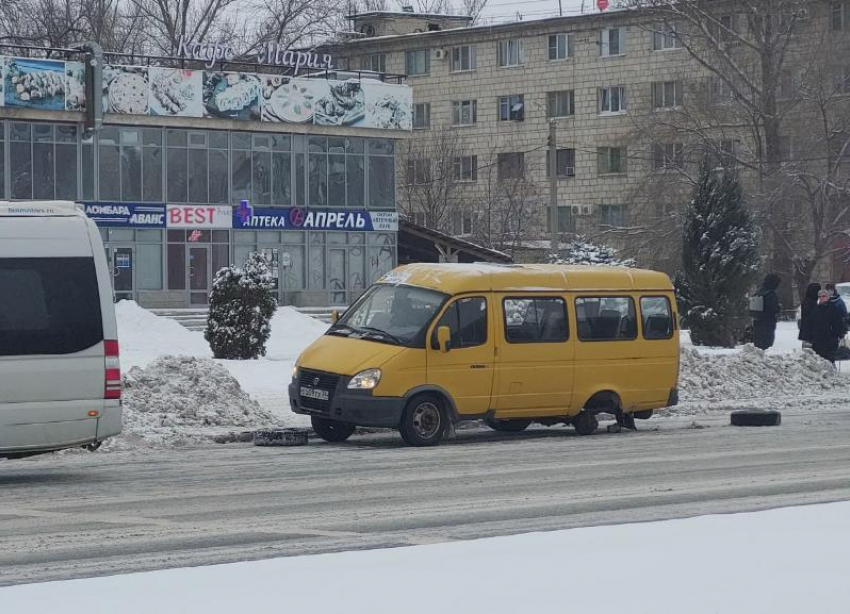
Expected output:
{"points": [[424, 421], [507, 426], [333, 431]]}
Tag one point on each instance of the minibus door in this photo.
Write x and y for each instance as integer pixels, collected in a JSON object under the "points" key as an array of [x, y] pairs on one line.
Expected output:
{"points": [[465, 371]]}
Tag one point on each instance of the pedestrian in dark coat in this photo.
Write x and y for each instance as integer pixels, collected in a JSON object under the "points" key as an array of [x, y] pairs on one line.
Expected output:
{"points": [[836, 300], [810, 301], [827, 327], [764, 321]]}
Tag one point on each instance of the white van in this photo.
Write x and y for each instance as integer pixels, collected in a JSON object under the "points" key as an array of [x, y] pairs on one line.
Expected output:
{"points": [[60, 381]]}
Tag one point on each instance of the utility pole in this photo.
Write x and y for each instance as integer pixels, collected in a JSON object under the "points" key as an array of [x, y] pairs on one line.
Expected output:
{"points": [[560, 8], [553, 184]]}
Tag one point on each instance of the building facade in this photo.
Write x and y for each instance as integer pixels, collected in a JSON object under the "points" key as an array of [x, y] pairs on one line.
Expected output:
{"points": [[622, 93], [193, 170]]}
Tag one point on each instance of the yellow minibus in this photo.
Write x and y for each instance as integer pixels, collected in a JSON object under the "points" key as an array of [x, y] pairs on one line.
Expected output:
{"points": [[430, 345]]}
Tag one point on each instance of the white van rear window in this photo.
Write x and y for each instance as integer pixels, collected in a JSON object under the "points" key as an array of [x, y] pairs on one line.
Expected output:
{"points": [[48, 306]]}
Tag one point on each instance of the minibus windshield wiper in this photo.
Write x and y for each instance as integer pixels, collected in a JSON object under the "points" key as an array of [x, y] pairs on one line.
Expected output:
{"points": [[341, 329], [383, 333]]}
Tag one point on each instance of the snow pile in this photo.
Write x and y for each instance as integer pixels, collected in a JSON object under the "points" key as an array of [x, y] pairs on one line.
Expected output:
{"points": [[143, 337], [292, 332], [183, 399], [725, 381]]}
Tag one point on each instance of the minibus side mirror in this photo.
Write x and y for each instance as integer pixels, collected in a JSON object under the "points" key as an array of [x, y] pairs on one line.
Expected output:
{"points": [[334, 316], [444, 338]]}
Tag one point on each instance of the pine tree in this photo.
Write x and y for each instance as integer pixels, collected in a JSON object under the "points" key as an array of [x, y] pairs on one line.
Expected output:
{"points": [[582, 250], [719, 261], [241, 307]]}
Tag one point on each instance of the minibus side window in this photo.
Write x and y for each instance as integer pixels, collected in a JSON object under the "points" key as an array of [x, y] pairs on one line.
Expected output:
{"points": [[657, 317], [467, 321], [606, 318], [535, 320]]}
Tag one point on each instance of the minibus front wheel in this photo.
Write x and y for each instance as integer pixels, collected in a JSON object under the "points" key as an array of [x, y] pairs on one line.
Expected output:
{"points": [[424, 421], [333, 431]]}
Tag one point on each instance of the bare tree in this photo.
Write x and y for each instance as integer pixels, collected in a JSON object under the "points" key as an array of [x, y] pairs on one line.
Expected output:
{"points": [[473, 8], [507, 210], [751, 97], [432, 181]]}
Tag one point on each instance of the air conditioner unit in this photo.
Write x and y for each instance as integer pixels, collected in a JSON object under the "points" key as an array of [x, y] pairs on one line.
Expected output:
{"points": [[441, 54], [581, 210]]}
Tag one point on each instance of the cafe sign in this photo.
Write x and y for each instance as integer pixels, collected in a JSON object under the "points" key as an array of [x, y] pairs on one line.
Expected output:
{"points": [[270, 53]]}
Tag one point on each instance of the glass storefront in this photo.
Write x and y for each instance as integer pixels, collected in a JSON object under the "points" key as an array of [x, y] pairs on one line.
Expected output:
{"points": [[140, 169]]}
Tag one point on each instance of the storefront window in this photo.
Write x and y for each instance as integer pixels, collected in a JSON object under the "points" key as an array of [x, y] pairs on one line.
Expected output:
{"points": [[176, 266], [43, 161], [282, 178], [381, 182], [219, 192], [241, 175], [177, 173], [149, 267], [262, 177]]}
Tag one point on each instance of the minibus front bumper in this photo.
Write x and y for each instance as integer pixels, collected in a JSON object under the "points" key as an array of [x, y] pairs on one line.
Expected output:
{"points": [[355, 406]]}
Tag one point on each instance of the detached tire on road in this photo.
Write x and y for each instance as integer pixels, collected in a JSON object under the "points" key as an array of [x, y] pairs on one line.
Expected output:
{"points": [[507, 426], [424, 421], [333, 431], [756, 417]]}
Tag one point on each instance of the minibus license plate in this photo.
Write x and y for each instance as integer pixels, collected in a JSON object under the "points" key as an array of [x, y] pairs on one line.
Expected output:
{"points": [[314, 393]]}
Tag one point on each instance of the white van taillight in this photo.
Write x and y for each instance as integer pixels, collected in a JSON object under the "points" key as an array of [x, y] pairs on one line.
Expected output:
{"points": [[112, 370]]}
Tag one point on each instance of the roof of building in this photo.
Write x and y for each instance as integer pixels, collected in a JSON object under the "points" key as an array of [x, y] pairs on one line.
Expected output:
{"points": [[490, 28], [459, 278], [406, 14], [455, 243]]}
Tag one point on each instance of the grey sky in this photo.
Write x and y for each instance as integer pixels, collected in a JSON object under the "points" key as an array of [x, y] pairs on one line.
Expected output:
{"points": [[506, 10]]}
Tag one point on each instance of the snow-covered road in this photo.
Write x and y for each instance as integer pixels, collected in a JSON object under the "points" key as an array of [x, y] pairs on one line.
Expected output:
{"points": [[81, 515]]}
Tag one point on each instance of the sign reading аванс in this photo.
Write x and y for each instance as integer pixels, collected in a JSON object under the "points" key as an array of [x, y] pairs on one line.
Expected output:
{"points": [[270, 53]]}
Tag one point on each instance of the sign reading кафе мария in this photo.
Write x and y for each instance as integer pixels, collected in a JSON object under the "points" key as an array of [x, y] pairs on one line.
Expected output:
{"points": [[270, 53]]}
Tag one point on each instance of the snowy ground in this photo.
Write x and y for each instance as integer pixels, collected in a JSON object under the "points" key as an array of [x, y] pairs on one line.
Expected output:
{"points": [[174, 404], [782, 561]]}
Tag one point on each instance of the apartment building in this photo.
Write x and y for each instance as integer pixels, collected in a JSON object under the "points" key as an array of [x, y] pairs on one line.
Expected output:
{"points": [[487, 94]]}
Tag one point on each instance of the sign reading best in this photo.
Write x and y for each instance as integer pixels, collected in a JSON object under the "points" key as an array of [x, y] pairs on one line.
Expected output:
{"points": [[199, 216]]}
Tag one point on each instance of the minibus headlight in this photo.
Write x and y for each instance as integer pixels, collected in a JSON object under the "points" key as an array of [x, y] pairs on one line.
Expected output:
{"points": [[294, 372], [365, 380]]}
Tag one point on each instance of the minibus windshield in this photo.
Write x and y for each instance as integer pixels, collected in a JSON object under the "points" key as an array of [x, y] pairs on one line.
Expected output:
{"points": [[396, 314]]}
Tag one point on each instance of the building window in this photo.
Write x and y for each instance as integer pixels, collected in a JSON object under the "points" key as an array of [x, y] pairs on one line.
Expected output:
{"points": [[512, 108], [42, 161], [565, 163], [666, 94], [381, 175], [612, 216], [560, 46], [612, 99], [418, 172], [421, 115], [510, 165], [668, 155], [465, 168], [463, 224], [376, 62], [611, 160], [463, 58], [612, 41], [664, 38], [719, 91], [726, 155], [418, 62], [723, 29], [566, 220], [560, 104], [511, 53], [839, 16], [464, 112]]}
